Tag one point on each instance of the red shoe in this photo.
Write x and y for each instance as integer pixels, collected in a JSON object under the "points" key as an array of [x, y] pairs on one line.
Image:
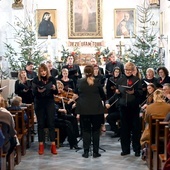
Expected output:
{"points": [[53, 149], [41, 149]]}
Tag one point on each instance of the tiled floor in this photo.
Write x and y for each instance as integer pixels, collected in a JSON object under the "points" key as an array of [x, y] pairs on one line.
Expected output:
{"points": [[67, 159]]}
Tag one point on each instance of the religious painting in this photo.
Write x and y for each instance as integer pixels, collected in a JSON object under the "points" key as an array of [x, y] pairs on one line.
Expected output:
{"points": [[124, 22], [85, 19], [46, 23]]}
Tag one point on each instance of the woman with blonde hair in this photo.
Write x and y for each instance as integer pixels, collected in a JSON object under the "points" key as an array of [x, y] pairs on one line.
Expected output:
{"points": [[67, 82], [89, 106], [23, 87], [44, 88]]}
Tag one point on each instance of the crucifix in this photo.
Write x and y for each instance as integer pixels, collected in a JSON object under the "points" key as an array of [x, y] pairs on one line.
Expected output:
{"points": [[120, 49]]}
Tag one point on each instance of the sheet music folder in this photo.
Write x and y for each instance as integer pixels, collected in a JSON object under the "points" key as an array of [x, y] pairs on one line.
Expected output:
{"points": [[72, 72], [48, 86], [124, 88]]}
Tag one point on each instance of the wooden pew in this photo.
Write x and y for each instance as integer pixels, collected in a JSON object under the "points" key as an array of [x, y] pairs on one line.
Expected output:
{"points": [[30, 114], [164, 156], [3, 160], [17, 157], [159, 142], [3, 157], [7, 162], [151, 146], [22, 130]]}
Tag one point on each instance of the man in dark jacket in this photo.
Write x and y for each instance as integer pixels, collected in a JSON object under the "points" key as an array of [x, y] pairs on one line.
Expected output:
{"points": [[29, 70], [74, 69]]}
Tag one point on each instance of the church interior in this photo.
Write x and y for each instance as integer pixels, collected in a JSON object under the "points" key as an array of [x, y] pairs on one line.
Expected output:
{"points": [[136, 30]]}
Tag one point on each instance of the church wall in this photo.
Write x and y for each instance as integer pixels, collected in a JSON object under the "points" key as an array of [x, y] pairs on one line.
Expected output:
{"points": [[108, 7]]}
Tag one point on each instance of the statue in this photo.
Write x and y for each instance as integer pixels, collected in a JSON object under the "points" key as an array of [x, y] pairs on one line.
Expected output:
{"points": [[17, 4]]}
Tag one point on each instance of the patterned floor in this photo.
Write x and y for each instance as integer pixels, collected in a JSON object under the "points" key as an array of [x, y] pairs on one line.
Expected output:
{"points": [[67, 159]]}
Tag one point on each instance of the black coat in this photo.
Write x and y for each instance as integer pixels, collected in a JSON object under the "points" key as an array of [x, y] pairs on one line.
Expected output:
{"points": [[110, 67], [130, 99], [27, 97], [48, 93], [54, 72], [74, 72], [90, 98]]}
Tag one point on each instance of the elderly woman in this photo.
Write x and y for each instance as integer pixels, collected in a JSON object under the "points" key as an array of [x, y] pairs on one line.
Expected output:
{"points": [[150, 78]]}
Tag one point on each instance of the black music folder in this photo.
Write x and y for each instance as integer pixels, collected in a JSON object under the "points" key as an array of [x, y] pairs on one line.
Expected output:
{"points": [[123, 88], [47, 86], [72, 72]]}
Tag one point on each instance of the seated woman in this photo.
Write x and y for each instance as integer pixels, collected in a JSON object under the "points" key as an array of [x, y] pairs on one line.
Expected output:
{"points": [[157, 109], [149, 97], [8, 128], [67, 123]]}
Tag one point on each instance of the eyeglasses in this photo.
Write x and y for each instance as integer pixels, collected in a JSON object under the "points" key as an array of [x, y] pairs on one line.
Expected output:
{"points": [[128, 70]]}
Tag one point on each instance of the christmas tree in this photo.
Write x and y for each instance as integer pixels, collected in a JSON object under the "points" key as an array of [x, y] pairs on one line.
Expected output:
{"points": [[144, 50], [28, 49]]}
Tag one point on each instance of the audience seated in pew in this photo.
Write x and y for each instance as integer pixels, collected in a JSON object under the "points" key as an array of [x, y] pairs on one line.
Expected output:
{"points": [[8, 129], [157, 109], [167, 163], [17, 105]]}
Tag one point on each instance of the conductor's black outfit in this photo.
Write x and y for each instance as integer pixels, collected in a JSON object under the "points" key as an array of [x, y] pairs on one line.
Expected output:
{"points": [[89, 106]]}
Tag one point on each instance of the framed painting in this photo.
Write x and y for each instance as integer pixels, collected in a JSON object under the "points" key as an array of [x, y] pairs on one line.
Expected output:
{"points": [[46, 23], [84, 19], [124, 22]]}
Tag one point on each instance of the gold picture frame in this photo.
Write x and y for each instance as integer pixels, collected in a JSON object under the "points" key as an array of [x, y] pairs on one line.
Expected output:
{"points": [[124, 22], [84, 19], [46, 23]]}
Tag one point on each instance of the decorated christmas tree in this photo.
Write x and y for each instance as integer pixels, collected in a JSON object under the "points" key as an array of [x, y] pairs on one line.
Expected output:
{"points": [[143, 49], [28, 48]]}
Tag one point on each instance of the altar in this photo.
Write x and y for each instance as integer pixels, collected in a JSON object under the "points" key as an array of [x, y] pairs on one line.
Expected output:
{"points": [[9, 89]]}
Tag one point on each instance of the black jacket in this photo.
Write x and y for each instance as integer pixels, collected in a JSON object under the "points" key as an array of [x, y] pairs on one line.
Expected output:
{"points": [[129, 99], [27, 97], [90, 98], [110, 67], [48, 93]]}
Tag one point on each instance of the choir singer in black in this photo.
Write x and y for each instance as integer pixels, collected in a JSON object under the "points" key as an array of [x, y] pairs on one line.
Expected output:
{"points": [[129, 88]]}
